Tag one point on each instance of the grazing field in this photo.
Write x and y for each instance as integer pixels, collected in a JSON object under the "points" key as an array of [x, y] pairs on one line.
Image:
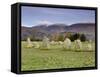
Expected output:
{"points": [[56, 57]]}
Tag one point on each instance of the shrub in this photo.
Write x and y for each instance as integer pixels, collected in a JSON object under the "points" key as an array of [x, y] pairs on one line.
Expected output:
{"points": [[83, 37]]}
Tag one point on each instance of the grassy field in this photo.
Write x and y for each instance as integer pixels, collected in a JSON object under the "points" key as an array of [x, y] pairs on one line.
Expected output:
{"points": [[54, 58]]}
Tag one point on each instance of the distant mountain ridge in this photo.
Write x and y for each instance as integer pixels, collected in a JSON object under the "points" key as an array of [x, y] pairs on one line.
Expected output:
{"points": [[42, 29]]}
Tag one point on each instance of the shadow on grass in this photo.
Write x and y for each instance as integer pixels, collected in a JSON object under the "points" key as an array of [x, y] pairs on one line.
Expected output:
{"points": [[78, 50], [64, 49]]}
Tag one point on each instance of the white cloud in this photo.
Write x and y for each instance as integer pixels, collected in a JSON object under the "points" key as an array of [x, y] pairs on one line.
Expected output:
{"points": [[38, 23], [44, 22], [26, 25]]}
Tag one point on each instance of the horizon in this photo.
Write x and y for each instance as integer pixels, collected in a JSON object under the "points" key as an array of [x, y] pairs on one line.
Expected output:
{"points": [[56, 23], [33, 16]]}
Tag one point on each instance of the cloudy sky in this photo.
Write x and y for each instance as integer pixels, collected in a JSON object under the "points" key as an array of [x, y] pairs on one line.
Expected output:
{"points": [[32, 16]]}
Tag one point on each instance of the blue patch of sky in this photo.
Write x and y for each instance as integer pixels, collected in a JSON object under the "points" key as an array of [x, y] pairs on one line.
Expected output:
{"points": [[32, 16]]}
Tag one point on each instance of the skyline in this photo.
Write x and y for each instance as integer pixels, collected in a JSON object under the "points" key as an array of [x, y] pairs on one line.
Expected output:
{"points": [[32, 16]]}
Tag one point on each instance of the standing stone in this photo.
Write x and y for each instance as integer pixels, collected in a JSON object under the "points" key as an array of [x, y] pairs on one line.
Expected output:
{"points": [[78, 44], [67, 43], [45, 42], [52, 42], [60, 42], [89, 47], [29, 43], [36, 45]]}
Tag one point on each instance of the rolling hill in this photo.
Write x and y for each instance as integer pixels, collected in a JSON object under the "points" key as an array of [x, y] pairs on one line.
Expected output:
{"points": [[46, 30]]}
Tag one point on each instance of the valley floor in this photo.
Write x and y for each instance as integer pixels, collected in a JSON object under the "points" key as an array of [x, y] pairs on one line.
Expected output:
{"points": [[54, 58]]}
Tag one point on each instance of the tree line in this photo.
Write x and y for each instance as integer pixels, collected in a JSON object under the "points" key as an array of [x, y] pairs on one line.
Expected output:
{"points": [[60, 37]]}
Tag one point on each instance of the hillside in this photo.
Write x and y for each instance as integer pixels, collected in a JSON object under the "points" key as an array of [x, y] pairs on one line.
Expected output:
{"points": [[39, 31]]}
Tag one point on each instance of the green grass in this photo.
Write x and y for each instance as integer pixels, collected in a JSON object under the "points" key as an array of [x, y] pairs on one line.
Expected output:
{"points": [[54, 58]]}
